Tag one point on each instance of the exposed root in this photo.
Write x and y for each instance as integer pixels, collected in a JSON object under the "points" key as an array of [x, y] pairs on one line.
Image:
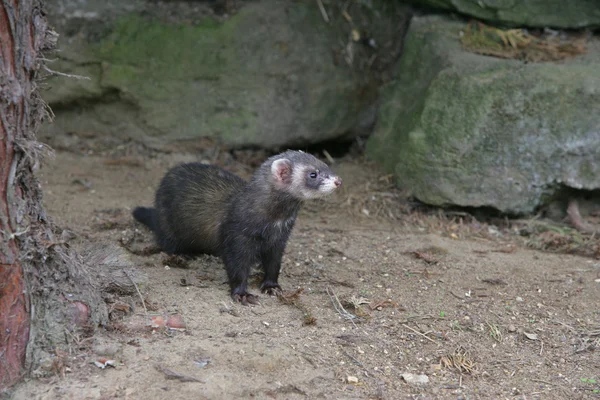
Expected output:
{"points": [[576, 220]]}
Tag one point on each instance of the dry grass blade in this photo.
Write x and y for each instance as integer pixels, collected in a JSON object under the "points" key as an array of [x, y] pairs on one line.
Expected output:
{"points": [[337, 305], [517, 44], [138, 292], [323, 11], [419, 333], [495, 332], [459, 360]]}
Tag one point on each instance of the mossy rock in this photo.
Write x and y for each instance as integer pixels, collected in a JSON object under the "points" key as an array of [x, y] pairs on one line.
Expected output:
{"points": [[527, 13], [265, 76], [463, 129]]}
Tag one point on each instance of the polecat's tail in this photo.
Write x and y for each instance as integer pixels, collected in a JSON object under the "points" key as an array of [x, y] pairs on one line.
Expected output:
{"points": [[145, 215]]}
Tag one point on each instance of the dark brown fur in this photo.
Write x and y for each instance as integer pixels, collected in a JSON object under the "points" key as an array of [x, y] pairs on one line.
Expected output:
{"points": [[205, 209]]}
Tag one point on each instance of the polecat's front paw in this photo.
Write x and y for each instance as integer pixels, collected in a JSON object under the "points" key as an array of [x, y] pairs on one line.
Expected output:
{"points": [[244, 297], [271, 288]]}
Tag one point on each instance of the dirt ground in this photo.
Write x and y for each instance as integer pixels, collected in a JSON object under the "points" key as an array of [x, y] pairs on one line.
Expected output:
{"points": [[386, 293]]}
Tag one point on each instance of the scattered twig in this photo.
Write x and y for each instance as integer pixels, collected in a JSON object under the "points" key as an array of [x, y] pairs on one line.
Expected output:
{"points": [[308, 357], [354, 360], [328, 156], [138, 291], [456, 295], [507, 250], [419, 333], [545, 382], [337, 305], [567, 326], [494, 281], [177, 376], [346, 16], [13, 235], [323, 11], [66, 75]]}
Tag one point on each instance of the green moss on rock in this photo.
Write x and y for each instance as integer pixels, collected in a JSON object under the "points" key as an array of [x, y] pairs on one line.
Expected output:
{"points": [[469, 130], [265, 77], [533, 13]]}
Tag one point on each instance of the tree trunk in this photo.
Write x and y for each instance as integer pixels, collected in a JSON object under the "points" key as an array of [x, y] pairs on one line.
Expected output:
{"points": [[45, 289]]}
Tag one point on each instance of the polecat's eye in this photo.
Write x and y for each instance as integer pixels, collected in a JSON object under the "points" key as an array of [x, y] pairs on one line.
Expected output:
{"points": [[313, 175]]}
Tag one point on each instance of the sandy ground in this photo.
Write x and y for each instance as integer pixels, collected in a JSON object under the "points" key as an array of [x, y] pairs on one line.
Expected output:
{"points": [[477, 320]]}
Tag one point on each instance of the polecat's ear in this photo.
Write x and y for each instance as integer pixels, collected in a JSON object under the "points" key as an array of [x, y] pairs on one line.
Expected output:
{"points": [[282, 170]]}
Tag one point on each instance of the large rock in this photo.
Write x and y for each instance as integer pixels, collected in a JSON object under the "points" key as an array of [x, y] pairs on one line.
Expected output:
{"points": [[532, 13], [463, 129], [272, 74]]}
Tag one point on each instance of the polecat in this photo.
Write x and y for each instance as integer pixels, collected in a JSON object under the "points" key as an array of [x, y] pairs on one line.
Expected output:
{"points": [[204, 209]]}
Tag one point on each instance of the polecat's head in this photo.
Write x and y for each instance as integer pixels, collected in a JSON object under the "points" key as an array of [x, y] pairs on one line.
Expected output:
{"points": [[302, 175]]}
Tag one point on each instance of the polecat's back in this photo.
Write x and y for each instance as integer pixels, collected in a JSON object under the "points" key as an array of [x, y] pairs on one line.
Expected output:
{"points": [[191, 203]]}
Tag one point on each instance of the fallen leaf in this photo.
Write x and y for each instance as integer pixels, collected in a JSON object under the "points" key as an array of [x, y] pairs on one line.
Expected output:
{"points": [[382, 303], [428, 258]]}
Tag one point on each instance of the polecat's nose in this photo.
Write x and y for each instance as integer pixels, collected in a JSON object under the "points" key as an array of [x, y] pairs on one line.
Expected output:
{"points": [[337, 181]]}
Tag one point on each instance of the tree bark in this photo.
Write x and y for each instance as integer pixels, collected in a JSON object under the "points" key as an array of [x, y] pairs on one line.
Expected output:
{"points": [[44, 287]]}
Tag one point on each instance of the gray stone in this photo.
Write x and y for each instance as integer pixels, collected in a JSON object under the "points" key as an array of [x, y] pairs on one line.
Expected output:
{"points": [[273, 74], [464, 129], [414, 379], [103, 346], [533, 13]]}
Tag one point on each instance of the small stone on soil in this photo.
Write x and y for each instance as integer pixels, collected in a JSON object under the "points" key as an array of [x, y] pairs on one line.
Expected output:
{"points": [[413, 379]]}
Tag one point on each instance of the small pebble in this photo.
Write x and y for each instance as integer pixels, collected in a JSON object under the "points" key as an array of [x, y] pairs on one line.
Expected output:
{"points": [[352, 379], [413, 379]]}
